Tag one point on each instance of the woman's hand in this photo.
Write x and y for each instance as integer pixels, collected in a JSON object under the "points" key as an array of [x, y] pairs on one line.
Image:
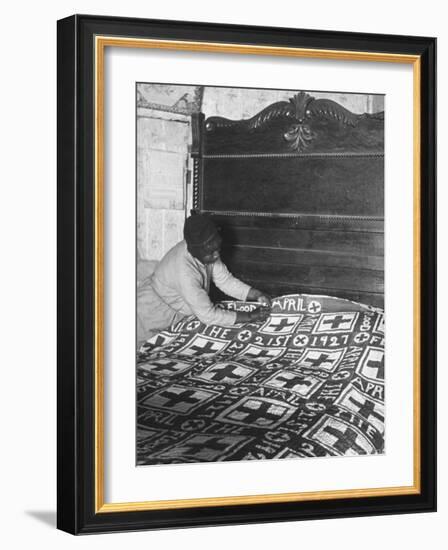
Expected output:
{"points": [[259, 314], [259, 296]]}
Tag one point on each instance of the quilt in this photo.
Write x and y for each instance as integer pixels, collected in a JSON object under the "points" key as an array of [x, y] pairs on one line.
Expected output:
{"points": [[307, 382]]}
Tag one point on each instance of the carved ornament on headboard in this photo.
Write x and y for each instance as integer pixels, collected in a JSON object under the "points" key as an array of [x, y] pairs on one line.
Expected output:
{"points": [[300, 109]]}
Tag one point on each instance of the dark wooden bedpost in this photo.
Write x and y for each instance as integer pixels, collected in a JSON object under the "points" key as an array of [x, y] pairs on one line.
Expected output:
{"points": [[197, 125]]}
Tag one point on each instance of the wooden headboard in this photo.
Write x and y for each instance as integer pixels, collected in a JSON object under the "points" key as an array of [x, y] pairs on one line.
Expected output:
{"points": [[298, 191]]}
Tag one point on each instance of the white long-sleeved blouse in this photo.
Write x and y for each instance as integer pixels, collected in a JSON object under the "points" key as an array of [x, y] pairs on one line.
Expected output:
{"points": [[183, 283]]}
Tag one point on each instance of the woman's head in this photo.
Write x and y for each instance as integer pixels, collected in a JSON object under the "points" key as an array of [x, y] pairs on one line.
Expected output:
{"points": [[202, 237]]}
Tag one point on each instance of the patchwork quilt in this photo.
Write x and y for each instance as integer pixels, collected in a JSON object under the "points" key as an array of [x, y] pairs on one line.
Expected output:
{"points": [[307, 382]]}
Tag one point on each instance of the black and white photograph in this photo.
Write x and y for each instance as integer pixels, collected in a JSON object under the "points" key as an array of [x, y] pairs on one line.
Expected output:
{"points": [[260, 328]]}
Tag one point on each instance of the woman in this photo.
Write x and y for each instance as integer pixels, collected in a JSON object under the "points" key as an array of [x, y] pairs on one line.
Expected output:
{"points": [[180, 284]]}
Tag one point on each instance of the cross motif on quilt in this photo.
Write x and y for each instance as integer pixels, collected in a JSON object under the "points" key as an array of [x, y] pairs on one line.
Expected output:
{"points": [[345, 440], [255, 411], [281, 324], [188, 397], [290, 380], [317, 361], [301, 340], [166, 366], [366, 409], [209, 347], [361, 337], [336, 321], [378, 365], [219, 374], [314, 307], [244, 335]]}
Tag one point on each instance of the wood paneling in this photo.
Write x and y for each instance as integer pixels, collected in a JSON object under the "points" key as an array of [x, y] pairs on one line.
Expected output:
{"points": [[316, 222], [293, 257], [331, 277], [348, 242], [351, 186]]}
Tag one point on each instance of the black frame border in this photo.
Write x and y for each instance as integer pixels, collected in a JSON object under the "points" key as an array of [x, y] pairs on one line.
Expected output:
{"points": [[76, 261]]}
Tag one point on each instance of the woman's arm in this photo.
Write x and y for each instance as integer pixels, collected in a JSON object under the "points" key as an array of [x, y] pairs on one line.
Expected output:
{"points": [[232, 286]]}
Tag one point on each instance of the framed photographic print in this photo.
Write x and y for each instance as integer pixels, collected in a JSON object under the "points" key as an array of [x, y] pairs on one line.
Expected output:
{"points": [[246, 274]]}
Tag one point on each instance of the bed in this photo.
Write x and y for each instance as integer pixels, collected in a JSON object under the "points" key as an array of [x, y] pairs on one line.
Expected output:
{"points": [[297, 191]]}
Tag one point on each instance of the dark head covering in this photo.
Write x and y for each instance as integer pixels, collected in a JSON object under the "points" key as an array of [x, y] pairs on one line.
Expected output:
{"points": [[199, 229]]}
